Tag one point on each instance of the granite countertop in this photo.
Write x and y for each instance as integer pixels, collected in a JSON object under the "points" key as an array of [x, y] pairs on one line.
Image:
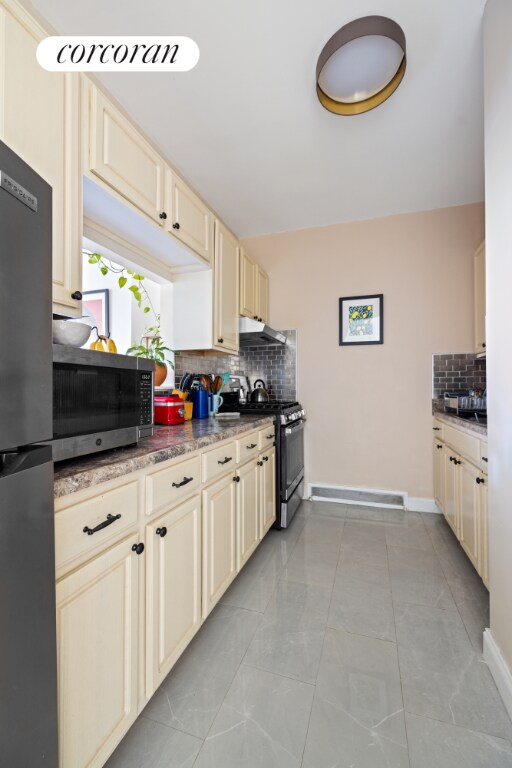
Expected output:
{"points": [[458, 421], [167, 443]]}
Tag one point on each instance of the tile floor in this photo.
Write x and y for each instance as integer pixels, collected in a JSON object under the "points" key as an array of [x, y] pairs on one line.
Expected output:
{"points": [[352, 639]]}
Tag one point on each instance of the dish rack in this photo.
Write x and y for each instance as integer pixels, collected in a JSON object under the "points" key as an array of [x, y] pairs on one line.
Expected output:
{"points": [[471, 401]]}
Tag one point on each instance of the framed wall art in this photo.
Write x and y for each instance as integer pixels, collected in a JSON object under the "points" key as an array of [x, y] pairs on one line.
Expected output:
{"points": [[362, 320], [95, 310]]}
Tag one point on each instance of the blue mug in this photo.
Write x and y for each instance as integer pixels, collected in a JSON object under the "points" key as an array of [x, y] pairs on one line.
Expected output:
{"points": [[200, 400]]}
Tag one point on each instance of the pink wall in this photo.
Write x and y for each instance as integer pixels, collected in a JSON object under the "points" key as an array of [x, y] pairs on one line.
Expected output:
{"points": [[369, 408]]}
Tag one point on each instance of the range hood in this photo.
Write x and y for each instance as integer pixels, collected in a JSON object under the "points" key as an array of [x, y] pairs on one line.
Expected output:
{"points": [[253, 333]]}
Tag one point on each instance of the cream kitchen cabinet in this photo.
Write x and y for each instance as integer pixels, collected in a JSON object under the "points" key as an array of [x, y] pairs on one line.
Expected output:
{"points": [[267, 490], [219, 540], [121, 157], [173, 588], [254, 288], [247, 511], [226, 301], [39, 114], [261, 294], [97, 647], [247, 285], [479, 297], [187, 217], [460, 489]]}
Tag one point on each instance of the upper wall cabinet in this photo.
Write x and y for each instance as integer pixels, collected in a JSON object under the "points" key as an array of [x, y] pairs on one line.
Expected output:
{"points": [[122, 158], [247, 285], [479, 272], [39, 114], [188, 218], [261, 294], [253, 289], [226, 301]]}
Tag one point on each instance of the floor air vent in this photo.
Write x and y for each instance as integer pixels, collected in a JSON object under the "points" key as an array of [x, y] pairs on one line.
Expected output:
{"points": [[354, 496]]}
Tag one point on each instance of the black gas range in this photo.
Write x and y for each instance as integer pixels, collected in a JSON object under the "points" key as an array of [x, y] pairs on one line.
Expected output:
{"points": [[289, 421]]}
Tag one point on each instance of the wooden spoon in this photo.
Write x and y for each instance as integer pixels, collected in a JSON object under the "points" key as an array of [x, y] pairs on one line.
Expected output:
{"points": [[217, 384], [206, 383]]}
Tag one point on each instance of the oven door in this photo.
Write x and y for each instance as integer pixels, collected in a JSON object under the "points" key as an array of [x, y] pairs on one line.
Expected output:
{"points": [[292, 457]]}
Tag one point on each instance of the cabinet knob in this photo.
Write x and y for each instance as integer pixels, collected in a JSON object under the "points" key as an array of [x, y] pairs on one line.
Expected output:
{"points": [[161, 531], [236, 479], [260, 463], [452, 458], [439, 445], [260, 319], [265, 458], [484, 458], [436, 429], [138, 548], [457, 461], [255, 317], [483, 344], [480, 480], [176, 225], [220, 341], [163, 215], [77, 296]]}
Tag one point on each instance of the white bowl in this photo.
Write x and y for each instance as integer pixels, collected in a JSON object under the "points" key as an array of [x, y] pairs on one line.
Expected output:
{"points": [[71, 333]]}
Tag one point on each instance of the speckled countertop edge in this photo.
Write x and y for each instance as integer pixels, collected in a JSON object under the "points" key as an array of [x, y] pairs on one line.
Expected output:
{"points": [[167, 443], [452, 418]]}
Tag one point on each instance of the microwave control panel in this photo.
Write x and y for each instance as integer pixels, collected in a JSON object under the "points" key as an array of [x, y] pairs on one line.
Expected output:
{"points": [[146, 398]]}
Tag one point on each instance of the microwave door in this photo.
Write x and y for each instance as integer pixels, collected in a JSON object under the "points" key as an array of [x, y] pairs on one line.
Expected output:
{"points": [[25, 303]]}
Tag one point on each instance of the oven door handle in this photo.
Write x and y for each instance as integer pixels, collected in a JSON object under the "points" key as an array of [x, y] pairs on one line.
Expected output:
{"points": [[299, 425]]}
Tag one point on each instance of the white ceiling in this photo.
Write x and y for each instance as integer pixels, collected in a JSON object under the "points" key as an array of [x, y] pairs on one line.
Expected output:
{"points": [[245, 127]]}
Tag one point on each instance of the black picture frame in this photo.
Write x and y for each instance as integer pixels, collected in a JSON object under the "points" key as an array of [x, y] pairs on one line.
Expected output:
{"points": [[361, 330], [102, 322]]}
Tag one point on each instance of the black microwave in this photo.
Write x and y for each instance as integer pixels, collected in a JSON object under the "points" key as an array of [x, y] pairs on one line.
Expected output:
{"points": [[100, 401]]}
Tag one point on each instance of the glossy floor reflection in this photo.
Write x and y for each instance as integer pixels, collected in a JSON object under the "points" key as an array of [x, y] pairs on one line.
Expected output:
{"points": [[354, 638]]}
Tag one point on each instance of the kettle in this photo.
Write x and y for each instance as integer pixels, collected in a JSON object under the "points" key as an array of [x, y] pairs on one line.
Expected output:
{"points": [[259, 394]]}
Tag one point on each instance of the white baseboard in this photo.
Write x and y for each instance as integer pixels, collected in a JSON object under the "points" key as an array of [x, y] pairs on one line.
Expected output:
{"points": [[499, 670], [417, 504]]}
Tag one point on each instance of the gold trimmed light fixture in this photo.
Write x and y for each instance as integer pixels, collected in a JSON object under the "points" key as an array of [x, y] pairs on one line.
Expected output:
{"points": [[361, 65]]}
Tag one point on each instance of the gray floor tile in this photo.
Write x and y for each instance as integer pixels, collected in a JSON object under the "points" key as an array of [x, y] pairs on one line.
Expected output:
{"points": [[262, 722], [376, 514], [361, 601], [363, 532], [310, 570], [357, 717], [289, 639], [416, 577], [438, 745], [412, 534], [327, 508], [254, 586], [442, 676], [151, 745]]}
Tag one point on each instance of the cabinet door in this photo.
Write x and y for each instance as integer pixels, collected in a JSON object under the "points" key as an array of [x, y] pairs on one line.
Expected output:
{"points": [[484, 537], [479, 276], [261, 294], [173, 588], [247, 511], [188, 218], [451, 489], [39, 121], [267, 490], [226, 289], [219, 540], [97, 633], [438, 474], [247, 286], [469, 532], [123, 159]]}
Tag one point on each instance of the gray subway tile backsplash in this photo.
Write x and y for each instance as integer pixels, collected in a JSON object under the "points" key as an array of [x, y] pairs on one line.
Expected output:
{"points": [[276, 364], [457, 371]]}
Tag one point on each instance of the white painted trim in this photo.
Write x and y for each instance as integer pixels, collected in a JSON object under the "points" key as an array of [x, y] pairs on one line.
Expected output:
{"points": [[352, 502], [418, 504], [499, 670]]}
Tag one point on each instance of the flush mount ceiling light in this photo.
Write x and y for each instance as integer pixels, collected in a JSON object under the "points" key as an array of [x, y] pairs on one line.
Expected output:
{"points": [[361, 65]]}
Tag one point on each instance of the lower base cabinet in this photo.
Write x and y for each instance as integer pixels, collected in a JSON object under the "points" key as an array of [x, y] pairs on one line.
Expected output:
{"points": [[173, 588], [247, 510], [219, 540], [267, 491], [97, 641]]}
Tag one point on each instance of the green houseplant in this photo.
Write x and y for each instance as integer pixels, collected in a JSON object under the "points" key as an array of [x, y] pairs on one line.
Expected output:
{"points": [[153, 348]]}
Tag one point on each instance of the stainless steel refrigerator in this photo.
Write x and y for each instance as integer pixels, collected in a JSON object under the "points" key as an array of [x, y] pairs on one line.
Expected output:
{"points": [[28, 670]]}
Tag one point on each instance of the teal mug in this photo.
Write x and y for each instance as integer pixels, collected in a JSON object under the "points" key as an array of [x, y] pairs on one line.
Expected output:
{"points": [[217, 401]]}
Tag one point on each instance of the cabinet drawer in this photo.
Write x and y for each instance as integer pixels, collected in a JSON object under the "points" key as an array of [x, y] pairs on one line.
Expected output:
{"points": [[168, 485], [117, 510], [465, 444], [266, 437], [218, 461], [247, 446]]}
